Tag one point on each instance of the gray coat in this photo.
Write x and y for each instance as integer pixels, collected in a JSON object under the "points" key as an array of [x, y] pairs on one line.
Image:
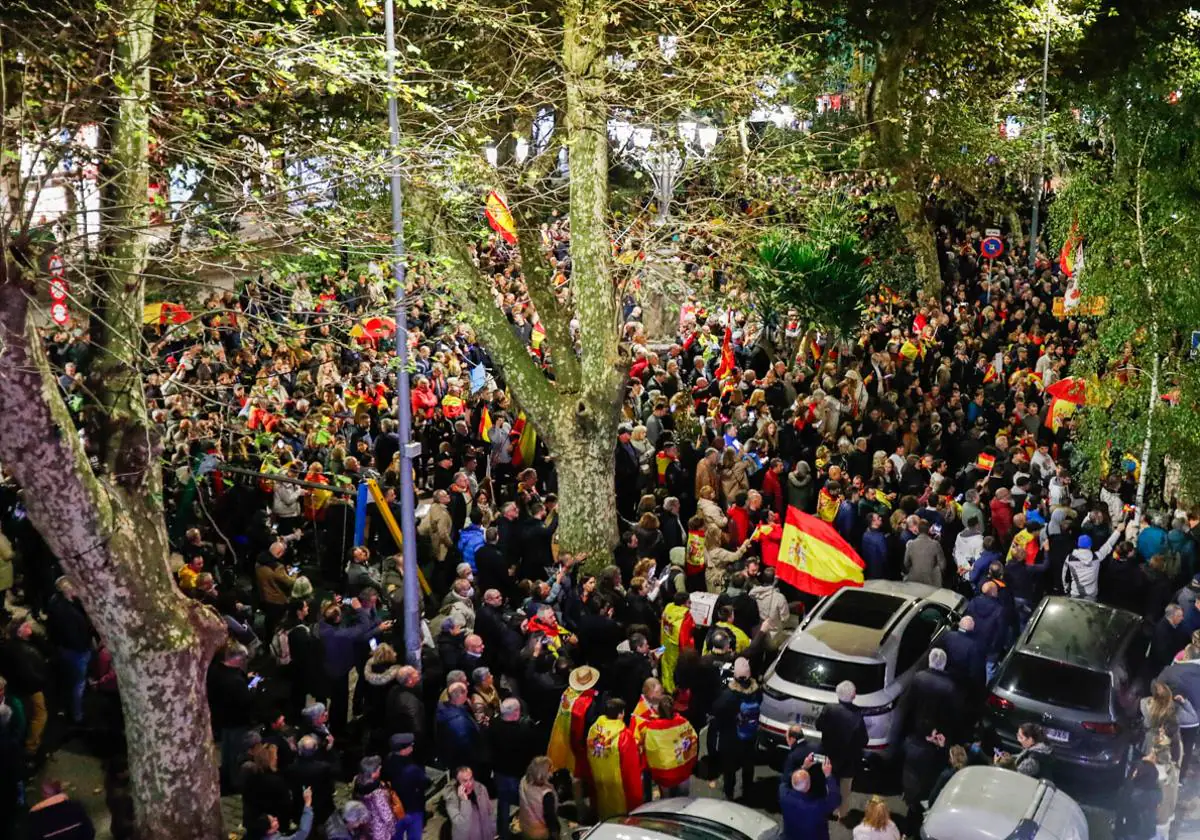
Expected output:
{"points": [[924, 560], [470, 820]]}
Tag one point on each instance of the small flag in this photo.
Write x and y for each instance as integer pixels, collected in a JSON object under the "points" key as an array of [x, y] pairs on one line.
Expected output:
{"points": [[909, 350], [526, 441], [1067, 258], [990, 375], [485, 425], [727, 361], [985, 461], [814, 558], [538, 335]]}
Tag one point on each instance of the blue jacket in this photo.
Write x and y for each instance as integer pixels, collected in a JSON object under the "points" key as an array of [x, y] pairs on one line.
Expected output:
{"points": [[1152, 540], [805, 817], [1182, 544], [964, 656], [979, 570], [470, 540], [1184, 679], [989, 623], [338, 640], [457, 735], [843, 521], [874, 550]]}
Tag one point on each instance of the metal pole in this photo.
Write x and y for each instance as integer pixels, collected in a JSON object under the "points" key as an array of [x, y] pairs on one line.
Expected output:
{"points": [[1041, 169], [408, 450]]}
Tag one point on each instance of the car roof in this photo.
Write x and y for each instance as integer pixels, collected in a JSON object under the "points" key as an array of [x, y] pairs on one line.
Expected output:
{"points": [[1081, 633], [989, 800], [729, 814]]}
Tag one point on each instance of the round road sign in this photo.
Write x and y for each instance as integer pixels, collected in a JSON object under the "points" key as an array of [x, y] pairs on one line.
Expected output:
{"points": [[58, 312], [991, 247], [56, 264], [58, 289]]}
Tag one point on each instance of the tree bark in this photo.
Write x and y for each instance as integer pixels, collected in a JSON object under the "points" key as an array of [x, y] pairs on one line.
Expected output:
{"points": [[584, 453], [910, 208]]}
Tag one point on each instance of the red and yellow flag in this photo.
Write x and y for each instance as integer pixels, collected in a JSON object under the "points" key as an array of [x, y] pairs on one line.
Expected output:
{"points": [[827, 505], [616, 769], [526, 441], [909, 350], [727, 365], [485, 425], [500, 218], [1060, 409], [990, 375], [671, 748], [985, 461], [814, 558]]}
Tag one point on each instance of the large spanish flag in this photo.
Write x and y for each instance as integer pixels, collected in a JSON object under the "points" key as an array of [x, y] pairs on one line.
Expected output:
{"points": [[814, 558], [671, 747], [499, 217], [616, 768]]}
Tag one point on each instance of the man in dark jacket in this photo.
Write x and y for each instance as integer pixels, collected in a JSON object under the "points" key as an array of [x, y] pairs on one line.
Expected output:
{"points": [[598, 635], [806, 815], [408, 778], [501, 642], [493, 569], [71, 633], [874, 549], [933, 701], [513, 743], [28, 672], [630, 670], [990, 623], [1167, 639], [457, 733], [1121, 579], [232, 706], [311, 770], [536, 537], [338, 641], [799, 749], [965, 658], [843, 739], [404, 711]]}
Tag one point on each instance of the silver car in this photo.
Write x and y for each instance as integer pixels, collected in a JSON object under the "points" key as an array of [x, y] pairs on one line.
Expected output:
{"points": [[685, 818], [985, 803], [876, 636]]}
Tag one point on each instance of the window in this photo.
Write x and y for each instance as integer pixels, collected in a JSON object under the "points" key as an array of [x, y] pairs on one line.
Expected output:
{"points": [[825, 674], [917, 636], [862, 608], [1057, 683]]}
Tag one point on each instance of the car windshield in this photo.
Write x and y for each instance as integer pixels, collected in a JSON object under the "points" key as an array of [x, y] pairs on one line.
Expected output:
{"points": [[819, 672], [1057, 683], [863, 609]]}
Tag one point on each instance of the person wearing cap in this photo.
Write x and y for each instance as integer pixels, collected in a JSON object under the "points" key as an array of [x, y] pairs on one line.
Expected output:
{"points": [[735, 717], [577, 711], [407, 777]]}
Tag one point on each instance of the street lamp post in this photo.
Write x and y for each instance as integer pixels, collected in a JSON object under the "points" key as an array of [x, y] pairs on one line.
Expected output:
{"points": [[1041, 169], [408, 449]]}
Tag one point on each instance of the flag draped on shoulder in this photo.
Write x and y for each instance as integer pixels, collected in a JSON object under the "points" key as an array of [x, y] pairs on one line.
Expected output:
{"points": [[814, 558]]}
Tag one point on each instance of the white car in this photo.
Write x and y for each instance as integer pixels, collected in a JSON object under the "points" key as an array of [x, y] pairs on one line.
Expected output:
{"points": [[987, 803], [685, 818], [877, 637]]}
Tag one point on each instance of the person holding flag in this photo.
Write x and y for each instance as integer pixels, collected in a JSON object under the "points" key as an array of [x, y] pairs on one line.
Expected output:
{"points": [[577, 712], [670, 746], [614, 765], [677, 627]]}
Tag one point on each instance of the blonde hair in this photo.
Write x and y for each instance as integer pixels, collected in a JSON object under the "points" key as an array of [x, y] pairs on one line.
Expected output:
{"points": [[877, 814], [538, 772]]}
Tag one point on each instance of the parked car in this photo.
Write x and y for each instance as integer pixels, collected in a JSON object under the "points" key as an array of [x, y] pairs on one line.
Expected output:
{"points": [[686, 818], [986, 803], [1075, 670], [876, 636]]}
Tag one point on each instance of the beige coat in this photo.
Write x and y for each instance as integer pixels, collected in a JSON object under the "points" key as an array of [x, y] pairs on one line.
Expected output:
{"points": [[716, 564], [735, 480], [712, 513], [438, 526], [6, 566], [706, 476]]}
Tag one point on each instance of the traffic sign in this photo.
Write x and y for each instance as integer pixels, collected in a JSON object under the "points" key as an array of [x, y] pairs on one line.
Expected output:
{"points": [[59, 313], [992, 247], [56, 265], [58, 289]]}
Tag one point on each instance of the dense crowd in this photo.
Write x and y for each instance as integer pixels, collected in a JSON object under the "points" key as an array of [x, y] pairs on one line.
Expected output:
{"points": [[924, 441]]}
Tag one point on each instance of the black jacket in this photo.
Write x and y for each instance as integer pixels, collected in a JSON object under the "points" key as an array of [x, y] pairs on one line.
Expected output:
{"points": [[626, 676], [843, 737], [318, 774], [24, 666], [405, 712], [1166, 641], [491, 569], [598, 636], [230, 699], [513, 745], [67, 624], [932, 702]]}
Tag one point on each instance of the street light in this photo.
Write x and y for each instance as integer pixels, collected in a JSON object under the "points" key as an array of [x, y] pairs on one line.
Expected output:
{"points": [[408, 449]]}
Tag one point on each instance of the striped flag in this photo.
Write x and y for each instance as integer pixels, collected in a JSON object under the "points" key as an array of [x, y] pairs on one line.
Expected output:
{"points": [[485, 425], [525, 441], [985, 461], [814, 558], [671, 748]]}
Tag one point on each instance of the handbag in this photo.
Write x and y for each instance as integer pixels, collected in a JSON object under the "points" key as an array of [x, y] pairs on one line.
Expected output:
{"points": [[394, 801]]}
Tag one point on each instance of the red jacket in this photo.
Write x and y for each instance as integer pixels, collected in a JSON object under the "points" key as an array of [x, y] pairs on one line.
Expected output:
{"points": [[739, 524], [772, 489], [1002, 518]]}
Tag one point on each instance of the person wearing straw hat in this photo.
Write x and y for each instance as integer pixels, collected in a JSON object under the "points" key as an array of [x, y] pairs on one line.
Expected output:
{"points": [[577, 712]]}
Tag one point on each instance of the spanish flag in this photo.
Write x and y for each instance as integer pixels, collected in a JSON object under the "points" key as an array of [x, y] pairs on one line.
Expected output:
{"points": [[1059, 411], [538, 335], [1066, 257], [671, 747], [727, 361], [485, 425], [985, 461], [569, 733], [909, 350], [524, 443], [615, 767], [661, 461], [990, 375], [827, 505], [500, 218], [814, 558]]}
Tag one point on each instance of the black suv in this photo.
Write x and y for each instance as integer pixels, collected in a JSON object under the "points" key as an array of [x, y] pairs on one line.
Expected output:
{"points": [[1076, 670]]}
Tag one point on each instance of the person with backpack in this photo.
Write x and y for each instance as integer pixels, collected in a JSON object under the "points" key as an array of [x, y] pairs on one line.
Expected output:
{"points": [[735, 717], [296, 650], [843, 739]]}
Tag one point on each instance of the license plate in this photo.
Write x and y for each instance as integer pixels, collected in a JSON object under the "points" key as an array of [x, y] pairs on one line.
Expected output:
{"points": [[1060, 735]]}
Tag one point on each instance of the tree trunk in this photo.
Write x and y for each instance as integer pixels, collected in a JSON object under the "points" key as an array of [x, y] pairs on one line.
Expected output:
{"points": [[919, 234], [1140, 499], [583, 454]]}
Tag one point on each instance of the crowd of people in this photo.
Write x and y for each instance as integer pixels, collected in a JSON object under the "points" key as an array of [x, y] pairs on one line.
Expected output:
{"points": [[924, 441]]}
